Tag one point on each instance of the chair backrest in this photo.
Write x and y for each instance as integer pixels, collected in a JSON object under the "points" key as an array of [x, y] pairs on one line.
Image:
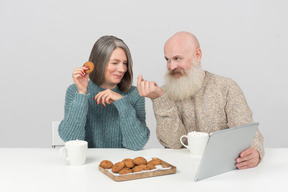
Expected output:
{"points": [[56, 140]]}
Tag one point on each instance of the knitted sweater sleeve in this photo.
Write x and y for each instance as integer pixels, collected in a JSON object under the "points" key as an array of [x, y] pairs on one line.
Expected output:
{"points": [[169, 124], [133, 122], [239, 113], [76, 108]]}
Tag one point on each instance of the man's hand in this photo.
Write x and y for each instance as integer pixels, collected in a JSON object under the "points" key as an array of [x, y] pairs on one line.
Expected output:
{"points": [[248, 159], [148, 88]]}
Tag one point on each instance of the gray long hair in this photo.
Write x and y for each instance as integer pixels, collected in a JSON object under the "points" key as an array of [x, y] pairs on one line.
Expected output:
{"points": [[100, 55]]}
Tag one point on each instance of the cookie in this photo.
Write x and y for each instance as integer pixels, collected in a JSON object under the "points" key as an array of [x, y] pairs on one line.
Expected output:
{"points": [[106, 164], [90, 65], [155, 161], [118, 167], [150, 166], [139, 161], [125, 171], [128, 163], [143, 166], [137, 169]]}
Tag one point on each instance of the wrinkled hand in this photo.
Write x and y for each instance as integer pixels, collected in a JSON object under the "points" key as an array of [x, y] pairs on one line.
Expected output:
{"points": [[107, 96], [248, 158], [80, 79], [148, 88]]}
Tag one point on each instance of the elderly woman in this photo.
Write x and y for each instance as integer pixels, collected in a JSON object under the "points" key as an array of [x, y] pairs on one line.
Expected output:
{"points": [[106, 111]]}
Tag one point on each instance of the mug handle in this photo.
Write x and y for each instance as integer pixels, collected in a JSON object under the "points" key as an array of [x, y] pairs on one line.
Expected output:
{"points": [[63, 151], [182, 142]]}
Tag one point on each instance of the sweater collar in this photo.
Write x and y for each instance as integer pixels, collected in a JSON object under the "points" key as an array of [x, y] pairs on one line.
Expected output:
{"points": [[94, 86]]}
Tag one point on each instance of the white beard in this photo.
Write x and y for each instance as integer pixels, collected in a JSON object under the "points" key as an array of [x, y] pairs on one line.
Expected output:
{"points": [[185, 86]]}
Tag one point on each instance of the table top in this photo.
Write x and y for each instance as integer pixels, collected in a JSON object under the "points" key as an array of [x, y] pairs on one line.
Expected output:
{"points": [[44, 169]]}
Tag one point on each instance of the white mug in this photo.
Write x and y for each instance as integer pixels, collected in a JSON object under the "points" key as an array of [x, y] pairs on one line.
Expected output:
{"points": [[196, 142], [75, 152]]}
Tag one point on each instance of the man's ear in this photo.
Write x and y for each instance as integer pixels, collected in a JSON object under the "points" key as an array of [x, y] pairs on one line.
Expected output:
{"points": [[198, 54]]}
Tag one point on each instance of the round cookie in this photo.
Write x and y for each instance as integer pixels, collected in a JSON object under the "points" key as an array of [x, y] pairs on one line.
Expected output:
{"points": [[106, 164], [90, 65], [137, 169], [128, 163], [125, 171], [144, 167], [118, 167], [155, 161], [139, 161], [150, 166]]}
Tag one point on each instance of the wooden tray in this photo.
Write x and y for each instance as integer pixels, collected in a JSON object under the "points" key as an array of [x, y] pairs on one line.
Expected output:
{"points": [[141, 175]]}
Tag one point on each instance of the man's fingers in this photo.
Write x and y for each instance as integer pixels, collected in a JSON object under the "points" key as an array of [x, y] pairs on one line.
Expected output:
{"points": [[246, 165], [139, 79], [147, 85], [248, 159], [246, 152], [142, 87], [152, 85], [244, 158], [148, 89]]}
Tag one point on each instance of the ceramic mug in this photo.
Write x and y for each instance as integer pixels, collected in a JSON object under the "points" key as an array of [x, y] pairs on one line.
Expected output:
{"points": [[75, 152], [196, 142]]}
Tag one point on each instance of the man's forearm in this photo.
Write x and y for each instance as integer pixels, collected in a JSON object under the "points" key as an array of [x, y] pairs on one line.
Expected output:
{"points": [[169, 126]]}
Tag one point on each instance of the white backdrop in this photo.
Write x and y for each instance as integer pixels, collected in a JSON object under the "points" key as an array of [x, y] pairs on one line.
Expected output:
{"points": [[42, 41]]}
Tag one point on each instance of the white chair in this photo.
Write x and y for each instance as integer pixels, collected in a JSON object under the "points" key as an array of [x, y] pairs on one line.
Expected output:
{"points": [[56, 140]]}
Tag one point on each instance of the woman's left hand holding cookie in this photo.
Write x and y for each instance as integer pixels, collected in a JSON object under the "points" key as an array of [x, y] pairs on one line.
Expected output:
{"points": [[108, 96]]}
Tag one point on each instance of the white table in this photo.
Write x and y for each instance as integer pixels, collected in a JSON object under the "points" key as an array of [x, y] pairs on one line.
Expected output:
{"points": [[44, 169]]}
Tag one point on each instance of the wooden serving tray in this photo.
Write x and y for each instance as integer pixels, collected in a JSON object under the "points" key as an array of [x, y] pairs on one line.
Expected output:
{"points": [[141, 175]]}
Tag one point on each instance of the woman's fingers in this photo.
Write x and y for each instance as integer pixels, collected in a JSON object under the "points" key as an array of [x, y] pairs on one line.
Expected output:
{"points": [[107, 96], [102, 97], [107, 99], [78, 72], [98, 97], [80, 79]]}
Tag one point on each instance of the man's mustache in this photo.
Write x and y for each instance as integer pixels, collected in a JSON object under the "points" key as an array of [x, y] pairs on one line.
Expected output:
{"points": [[177, 71]]}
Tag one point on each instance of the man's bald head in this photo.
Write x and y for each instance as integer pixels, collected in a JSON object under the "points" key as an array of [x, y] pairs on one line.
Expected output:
{"points": [[183, 38]]}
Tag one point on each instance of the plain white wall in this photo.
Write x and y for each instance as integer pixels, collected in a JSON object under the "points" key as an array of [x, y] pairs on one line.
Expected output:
{"points": [[42, 41]]}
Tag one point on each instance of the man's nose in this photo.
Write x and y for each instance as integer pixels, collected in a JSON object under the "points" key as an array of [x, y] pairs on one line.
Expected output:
{"points": [[172, 65]]}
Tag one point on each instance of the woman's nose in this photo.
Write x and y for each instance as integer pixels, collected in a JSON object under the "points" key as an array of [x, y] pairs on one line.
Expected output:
{"points": [[122, 67]]}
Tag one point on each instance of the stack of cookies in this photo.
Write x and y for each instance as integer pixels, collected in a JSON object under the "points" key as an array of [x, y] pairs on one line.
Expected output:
{"points": [[128, 165]]}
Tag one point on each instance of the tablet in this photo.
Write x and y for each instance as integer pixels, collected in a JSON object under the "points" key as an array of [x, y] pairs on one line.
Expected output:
{"points": [[222, 149]]}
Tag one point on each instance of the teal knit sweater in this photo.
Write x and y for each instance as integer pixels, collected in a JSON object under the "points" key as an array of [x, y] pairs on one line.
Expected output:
{"points": [[118, 125]]}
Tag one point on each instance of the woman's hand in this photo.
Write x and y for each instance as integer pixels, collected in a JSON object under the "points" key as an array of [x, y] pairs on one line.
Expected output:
{"points": [[80, 79], [107, 96]]}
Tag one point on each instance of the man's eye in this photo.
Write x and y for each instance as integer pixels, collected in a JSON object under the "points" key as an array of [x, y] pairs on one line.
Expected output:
{"points": [[177, 58]]}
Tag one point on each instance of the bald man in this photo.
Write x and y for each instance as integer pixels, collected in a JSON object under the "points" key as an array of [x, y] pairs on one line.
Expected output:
{"points": [[195, 100]]}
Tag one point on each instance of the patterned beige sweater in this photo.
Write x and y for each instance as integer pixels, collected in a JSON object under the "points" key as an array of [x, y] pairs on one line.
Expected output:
{"points": [[219, 104]]}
